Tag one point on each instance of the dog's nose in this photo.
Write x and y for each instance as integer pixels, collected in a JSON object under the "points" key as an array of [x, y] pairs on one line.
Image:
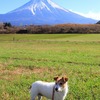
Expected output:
{"points": [[56, 89]]}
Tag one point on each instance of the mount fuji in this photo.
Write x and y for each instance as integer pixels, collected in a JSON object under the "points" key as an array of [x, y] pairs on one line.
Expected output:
{"points": [[40, 12]]}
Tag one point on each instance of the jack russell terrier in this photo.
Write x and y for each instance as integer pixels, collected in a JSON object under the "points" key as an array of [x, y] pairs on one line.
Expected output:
{"points": [[54, 90]]}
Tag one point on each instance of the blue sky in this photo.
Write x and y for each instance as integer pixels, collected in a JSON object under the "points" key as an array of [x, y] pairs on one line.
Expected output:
{"points": [[88, 8]]}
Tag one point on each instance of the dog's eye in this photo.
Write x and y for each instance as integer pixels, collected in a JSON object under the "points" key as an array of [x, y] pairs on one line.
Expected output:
{"points": [[61, 83]]}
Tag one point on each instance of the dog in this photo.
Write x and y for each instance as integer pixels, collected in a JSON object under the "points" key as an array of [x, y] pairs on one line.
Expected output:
{"points": [[54, 90]]}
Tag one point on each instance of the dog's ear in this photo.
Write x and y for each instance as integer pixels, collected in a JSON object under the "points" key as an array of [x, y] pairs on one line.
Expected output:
{"points": [[65, 79], [55, 78]]}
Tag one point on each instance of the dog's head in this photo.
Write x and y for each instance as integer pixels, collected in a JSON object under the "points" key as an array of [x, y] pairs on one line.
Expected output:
{"points": [[60, 83]]}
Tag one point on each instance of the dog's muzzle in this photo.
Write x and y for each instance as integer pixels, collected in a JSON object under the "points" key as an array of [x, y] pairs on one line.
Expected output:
{"points": [[56, 89]]}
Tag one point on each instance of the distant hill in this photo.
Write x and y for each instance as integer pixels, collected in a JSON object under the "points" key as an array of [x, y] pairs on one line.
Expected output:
{"points": [[98, 22]]}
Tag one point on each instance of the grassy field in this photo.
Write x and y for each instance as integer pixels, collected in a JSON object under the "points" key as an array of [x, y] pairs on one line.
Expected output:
{"points": [[27, 58]]}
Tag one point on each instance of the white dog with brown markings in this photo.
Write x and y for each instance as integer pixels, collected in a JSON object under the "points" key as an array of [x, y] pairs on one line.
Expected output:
{"points": [[54, 90]]}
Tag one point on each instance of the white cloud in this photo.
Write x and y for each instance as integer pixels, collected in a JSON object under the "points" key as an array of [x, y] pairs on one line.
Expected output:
{"points": [[90, 14]]}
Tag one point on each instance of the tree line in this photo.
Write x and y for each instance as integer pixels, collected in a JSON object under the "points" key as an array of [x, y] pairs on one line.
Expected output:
{"points": [[7, 28]]}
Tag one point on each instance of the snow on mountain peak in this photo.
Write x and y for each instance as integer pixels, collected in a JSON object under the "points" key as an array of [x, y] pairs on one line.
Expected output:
{"points": [[33, 5], [56, 6], [38, 5]]}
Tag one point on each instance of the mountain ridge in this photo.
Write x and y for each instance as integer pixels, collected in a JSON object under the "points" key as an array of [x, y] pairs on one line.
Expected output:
{"points": [[41, 12]]}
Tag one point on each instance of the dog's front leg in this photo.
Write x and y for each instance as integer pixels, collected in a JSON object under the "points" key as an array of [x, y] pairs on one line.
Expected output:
{"points": [[39, 97], [33, 98]]}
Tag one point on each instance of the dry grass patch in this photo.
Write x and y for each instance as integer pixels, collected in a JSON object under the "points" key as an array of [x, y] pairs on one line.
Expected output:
{"points": [[9, 75]]}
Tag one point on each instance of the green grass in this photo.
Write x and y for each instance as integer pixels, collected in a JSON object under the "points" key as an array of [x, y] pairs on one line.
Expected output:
{"points": [[28, 58]]}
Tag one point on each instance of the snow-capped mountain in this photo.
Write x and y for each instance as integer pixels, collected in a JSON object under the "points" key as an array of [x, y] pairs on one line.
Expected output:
{"points": [[42, 12]]}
